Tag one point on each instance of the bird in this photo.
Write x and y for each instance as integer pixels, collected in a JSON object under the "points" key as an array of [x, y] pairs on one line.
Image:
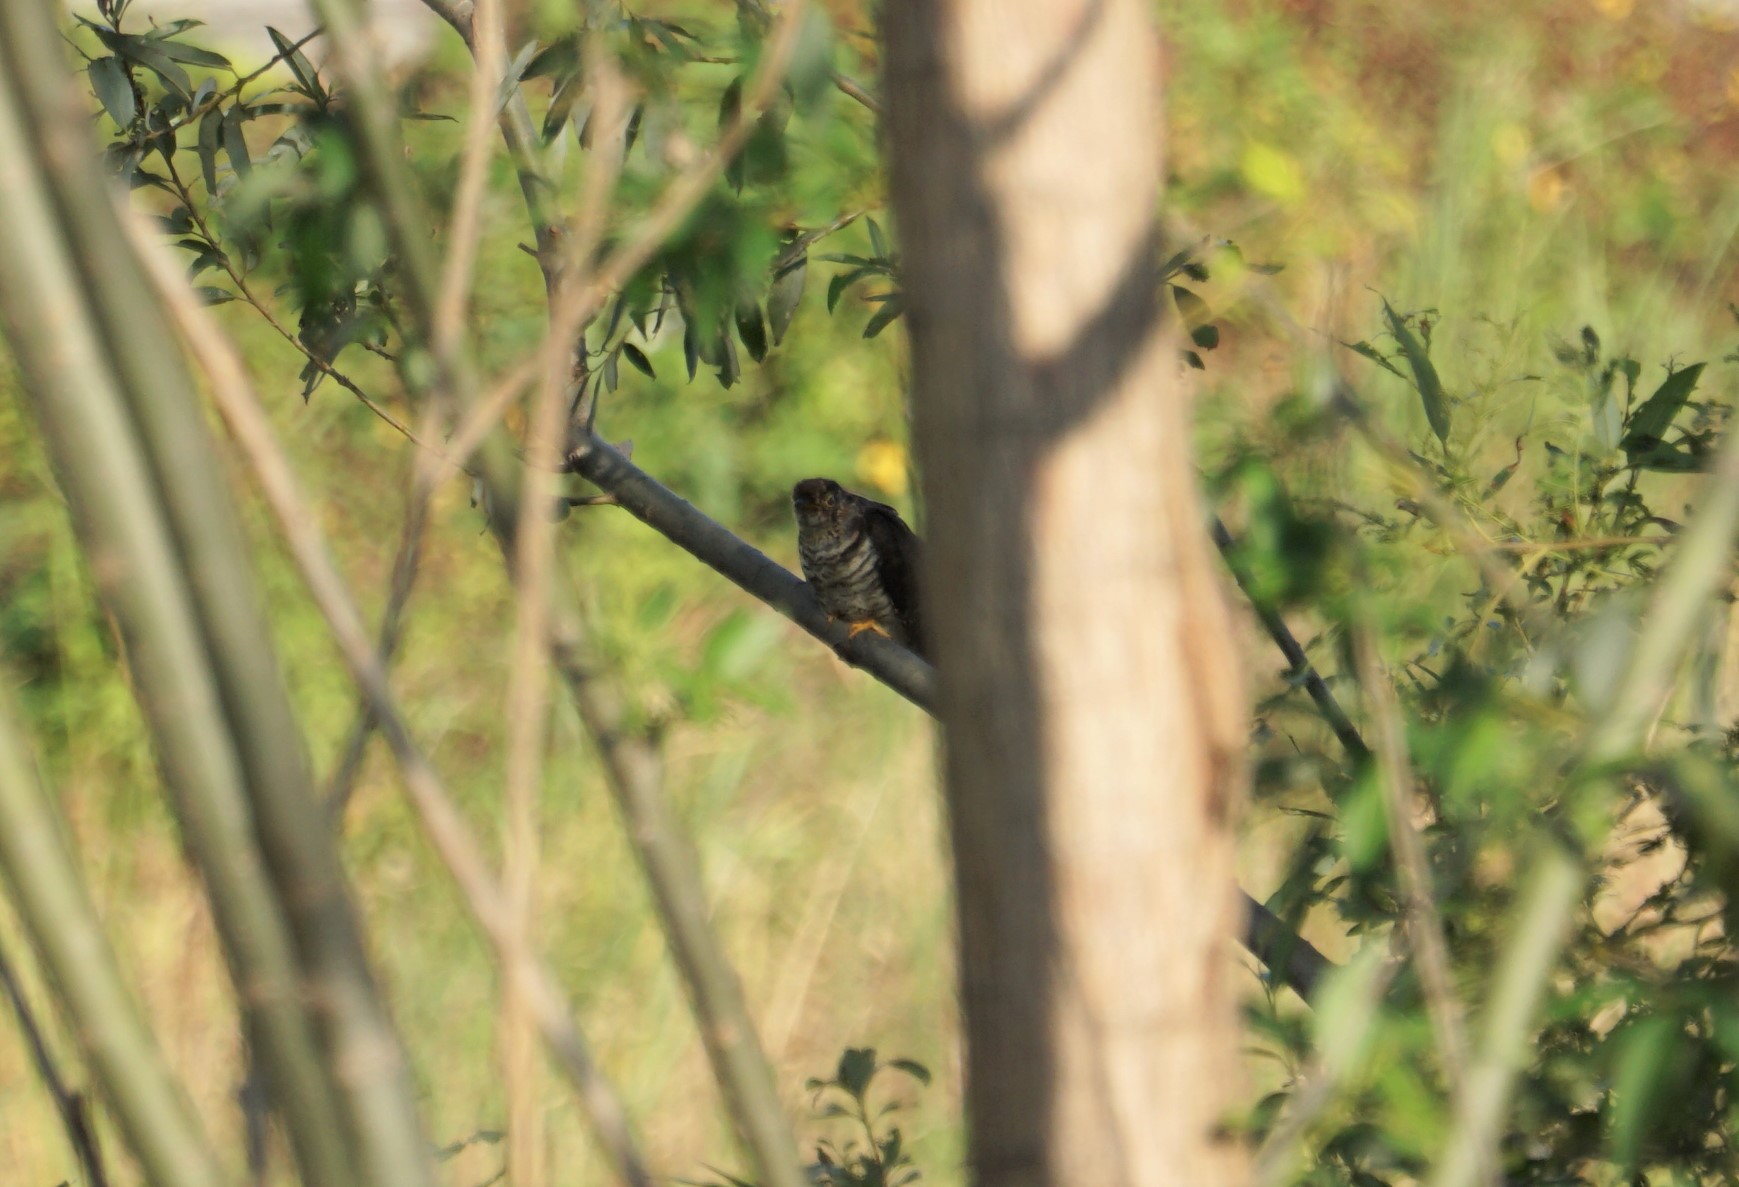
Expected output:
{"points": [[861, 560]]}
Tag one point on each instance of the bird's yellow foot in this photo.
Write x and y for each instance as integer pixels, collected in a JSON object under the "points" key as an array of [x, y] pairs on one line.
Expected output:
{"points": [[867, 626]]}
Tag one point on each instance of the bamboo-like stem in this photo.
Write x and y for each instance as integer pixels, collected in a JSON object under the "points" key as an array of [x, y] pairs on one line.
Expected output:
{"points": [[83, 417], [55, 905], [1541, 922], [363, 1061], [441, 818]]}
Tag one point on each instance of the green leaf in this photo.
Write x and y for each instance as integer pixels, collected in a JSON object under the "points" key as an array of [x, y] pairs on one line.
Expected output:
{"points": [[1376, 356], [213, 296], [235, 146], [210, 136], [690, 350], [515, 71], [192, 55], [1655, 417], [1207, 337], [1644, 1051], [114, 90], [842, 281], [883, 317], [1424, 373], [142, 51], [306, 77], [638, 360], [561, 106], [787, 292], [857, 1066], [558, 59], [752, 329], [912, 1068], [878, 242], [810, 75]]}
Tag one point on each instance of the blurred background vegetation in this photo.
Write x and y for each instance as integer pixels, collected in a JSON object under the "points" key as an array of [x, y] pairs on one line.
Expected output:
{"points": [[1519, 170]]}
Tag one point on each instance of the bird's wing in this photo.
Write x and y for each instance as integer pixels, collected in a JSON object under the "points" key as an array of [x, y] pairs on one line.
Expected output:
{"points": [[899, 564]]}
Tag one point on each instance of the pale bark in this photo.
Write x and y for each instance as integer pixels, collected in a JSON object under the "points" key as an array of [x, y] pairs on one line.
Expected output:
{"points": [[1092, 711]]}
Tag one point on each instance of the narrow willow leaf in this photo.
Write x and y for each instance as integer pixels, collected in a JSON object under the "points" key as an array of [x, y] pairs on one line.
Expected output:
{"points": [[1425, 378], [638, 360], [114, 90], [235, 146], [299, 65], [210, 136], [884, 316]]}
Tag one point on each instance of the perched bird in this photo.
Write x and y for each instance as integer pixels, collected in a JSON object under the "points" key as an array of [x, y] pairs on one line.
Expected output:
{"points": [[861, 560]]}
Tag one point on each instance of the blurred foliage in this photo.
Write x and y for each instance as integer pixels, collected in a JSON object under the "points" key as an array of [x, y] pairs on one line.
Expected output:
{"points": [[873, 1152], [1502, 175]]}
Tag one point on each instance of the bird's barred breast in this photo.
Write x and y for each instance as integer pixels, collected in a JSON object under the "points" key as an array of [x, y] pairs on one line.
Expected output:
{"points": [[843, 572]]}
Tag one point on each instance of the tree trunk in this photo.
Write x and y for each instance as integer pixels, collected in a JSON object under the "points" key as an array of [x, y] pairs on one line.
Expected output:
{"points": [[1092, 711]]}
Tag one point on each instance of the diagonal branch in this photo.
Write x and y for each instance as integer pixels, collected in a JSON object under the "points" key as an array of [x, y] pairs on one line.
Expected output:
{"points": [[74, 1116], [1292, 959]]}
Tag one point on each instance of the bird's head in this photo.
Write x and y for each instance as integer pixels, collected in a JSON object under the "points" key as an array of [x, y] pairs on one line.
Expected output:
{"points": [[820, 502]]}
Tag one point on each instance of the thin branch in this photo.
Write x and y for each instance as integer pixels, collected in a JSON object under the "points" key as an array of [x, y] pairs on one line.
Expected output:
{"points": [[77, 364], [708, 541], [406, 559], [1302, 669], [195, 113], [74, 1116], [441, 818], [489, 64], [1422, 921], [528, 680], [245, 291], [739, 1064], [856, 91]]}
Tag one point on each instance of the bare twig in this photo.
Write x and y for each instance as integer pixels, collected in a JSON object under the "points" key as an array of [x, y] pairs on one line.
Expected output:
{"points": [[404, 575], [489, 55], [856, 91]]}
